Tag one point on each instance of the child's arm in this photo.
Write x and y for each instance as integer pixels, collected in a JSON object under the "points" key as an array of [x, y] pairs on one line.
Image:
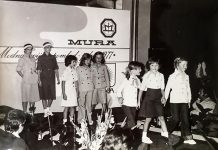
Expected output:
{"points": [[139, 98], [168, 87], [20, 67], [163, 100], [63, 90], [189, 93], [106, 73], [57, 76], [119, 92]]}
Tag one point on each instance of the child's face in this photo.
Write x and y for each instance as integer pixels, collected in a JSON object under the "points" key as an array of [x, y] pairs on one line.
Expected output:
{"points": [[136, 71], [98, 59], [182, 66], [28, 51], [47, 49], [87, 62], [154, 67], [73, 63]]}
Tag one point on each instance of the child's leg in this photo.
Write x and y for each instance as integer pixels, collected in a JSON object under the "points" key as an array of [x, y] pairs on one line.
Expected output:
{"points": [[175, 112], [89, 106], [145, 138], [65, 114], [102, 95], [82, 110], [164, 131], [185, 127], [94, 98], [24, 104], [72, 112], [146, 124], [130, 122]]}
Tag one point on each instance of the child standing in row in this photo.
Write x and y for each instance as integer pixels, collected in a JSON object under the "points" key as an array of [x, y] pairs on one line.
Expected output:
{"points": [[100, 79], [180, 99], [153, 84], [127, 92], [69, 87], [86, 88]]}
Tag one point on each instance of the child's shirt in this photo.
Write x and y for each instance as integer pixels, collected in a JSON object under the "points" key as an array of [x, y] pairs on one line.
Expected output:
{"points": [[179, 84], [69, 76], [128, 91], [100, 76], [152, 81], [85, 78]]}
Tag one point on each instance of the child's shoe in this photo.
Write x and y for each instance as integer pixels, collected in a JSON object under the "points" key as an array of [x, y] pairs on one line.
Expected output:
{"points": [[146, 139], [192, 142], [64, 121], [164, 134], [45, 113], [49, 111]]}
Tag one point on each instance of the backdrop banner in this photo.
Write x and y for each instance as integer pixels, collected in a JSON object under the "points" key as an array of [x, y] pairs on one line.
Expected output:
{"points": [[72, 30]]}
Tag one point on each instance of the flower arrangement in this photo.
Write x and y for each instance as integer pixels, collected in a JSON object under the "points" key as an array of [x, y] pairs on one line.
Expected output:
{"points": [[93, 140]]}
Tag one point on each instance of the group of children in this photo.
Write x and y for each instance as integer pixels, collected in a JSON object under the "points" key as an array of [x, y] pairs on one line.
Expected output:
{"points": [[84, 86], [156, 97]]}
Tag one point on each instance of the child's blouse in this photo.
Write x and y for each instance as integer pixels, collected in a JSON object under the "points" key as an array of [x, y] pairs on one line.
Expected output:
{"points": [[152, 81], [128, 91], [85, 78], [179, 84], [69, 76], [100, 76]]}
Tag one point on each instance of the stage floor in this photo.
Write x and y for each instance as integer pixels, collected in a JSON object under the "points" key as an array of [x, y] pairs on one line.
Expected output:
{"points": [[63, 136]]}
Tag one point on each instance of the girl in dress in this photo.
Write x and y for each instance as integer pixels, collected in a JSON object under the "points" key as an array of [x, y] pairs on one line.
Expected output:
{"points": [[127, 92], [69, 87], [180, 98], [100, 79], [26, 68], [153, 84], [86, 88]]}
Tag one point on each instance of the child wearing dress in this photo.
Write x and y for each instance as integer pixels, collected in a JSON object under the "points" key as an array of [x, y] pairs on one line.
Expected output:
{"points": [[47, 67], [101, 80], [127, 92], [26, 68], [153, 84], [180, 98], [86, 88], [69, 88]]}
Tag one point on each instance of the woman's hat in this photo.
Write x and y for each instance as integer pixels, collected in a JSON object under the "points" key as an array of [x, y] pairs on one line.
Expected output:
{"points": [[47, 44], [28, 46]]}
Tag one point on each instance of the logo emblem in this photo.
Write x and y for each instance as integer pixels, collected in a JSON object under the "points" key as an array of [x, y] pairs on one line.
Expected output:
{"points": [[108, 28]]}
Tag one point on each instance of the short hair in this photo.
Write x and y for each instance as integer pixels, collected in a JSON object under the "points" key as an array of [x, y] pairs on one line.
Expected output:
{"points": [[85, 56], [102, 55], [14, 119], [151, 61], [69, 59], [133, 65], [177, 61], [118, 139]]}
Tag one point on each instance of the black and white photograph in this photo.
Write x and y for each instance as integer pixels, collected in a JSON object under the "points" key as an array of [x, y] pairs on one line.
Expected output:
{"points": [[108, 75]]}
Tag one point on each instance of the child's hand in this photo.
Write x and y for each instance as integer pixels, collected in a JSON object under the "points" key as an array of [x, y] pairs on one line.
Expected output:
{"points": [[58, 81], [120, 100], [163, 101], [64, 96], [39, 82], [138, 105]]}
